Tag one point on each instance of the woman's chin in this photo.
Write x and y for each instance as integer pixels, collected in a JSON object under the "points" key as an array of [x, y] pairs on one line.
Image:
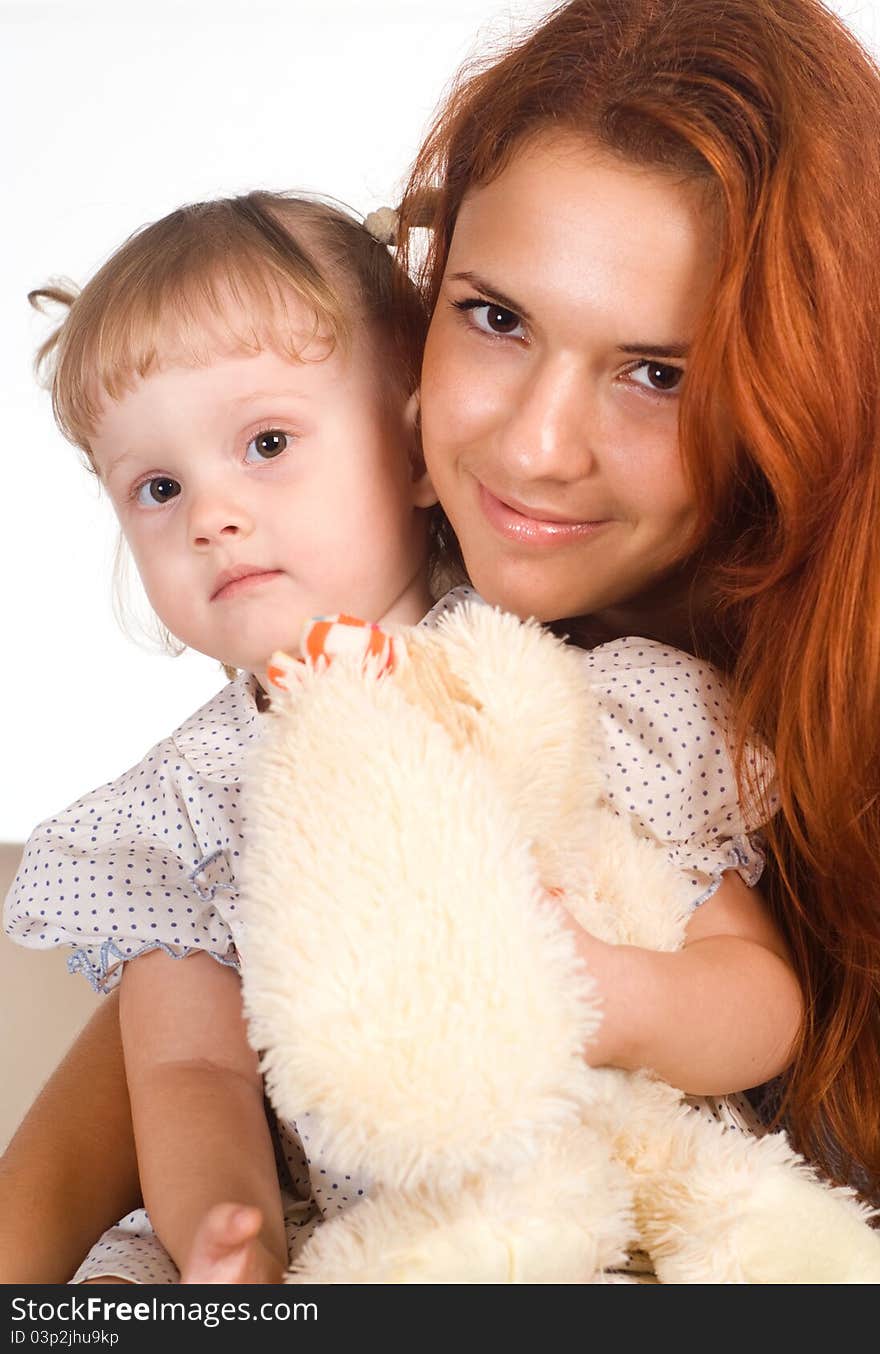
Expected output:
{"points": [[521, 597]]}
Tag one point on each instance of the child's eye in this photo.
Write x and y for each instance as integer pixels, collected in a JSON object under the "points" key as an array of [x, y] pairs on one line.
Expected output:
{"points": [[266, 445], [660, 378], [160, 489], [490, 318]]}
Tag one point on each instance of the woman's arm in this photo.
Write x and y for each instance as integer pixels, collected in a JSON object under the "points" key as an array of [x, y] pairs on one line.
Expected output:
{"points": [[70, 1171], [720, 1015], [197, 1103]]}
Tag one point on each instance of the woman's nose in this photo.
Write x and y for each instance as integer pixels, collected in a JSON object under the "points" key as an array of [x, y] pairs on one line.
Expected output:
{"points": [[214, 518], [551, 430]]}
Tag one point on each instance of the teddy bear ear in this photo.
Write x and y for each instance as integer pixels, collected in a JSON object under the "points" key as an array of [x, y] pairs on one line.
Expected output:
{"points": [[284, 671], [324, 638]]}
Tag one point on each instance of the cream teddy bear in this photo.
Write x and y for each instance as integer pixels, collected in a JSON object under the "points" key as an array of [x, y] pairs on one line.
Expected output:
{"points": [[412, 991]]}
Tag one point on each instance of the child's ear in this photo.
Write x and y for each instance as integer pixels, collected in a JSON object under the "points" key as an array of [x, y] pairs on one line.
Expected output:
{"points": [[423, 490]]}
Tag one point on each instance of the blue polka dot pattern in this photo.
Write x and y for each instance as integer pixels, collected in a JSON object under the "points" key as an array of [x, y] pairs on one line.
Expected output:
{"points": [[149, 859], [667, 724]]}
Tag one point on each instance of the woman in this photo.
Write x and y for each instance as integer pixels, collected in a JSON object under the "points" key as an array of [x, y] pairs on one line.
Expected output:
{"points": [[737, 519]]}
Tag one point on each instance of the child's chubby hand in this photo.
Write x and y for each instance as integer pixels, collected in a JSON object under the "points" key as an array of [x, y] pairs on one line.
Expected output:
{"points": [[227, 1249]]}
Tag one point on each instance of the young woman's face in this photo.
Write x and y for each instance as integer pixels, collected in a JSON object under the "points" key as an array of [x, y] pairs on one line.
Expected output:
{"points": [[552, 379]]}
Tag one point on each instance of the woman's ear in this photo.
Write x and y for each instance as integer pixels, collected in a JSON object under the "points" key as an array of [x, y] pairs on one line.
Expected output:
{"points": [[423, 490]]}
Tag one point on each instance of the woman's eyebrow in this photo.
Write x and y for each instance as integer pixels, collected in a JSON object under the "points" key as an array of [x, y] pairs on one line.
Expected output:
{"points": [[481, 284], [655, 349]]}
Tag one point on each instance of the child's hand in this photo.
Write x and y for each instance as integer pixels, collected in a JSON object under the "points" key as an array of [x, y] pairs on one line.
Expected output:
{"points": [[227, 1249], [715, 1016]]}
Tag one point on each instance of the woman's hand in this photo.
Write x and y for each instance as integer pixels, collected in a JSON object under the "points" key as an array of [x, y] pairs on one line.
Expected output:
{"points": [[70, 1170]]}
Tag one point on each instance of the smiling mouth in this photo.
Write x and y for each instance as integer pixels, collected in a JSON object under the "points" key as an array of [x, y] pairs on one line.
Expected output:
{"points": [[244, 582], [516, 522]]}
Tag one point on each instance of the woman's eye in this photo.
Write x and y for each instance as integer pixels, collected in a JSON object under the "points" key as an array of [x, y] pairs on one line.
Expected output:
{"points": [[152, 493], [660, 378], [492, 319], [266, 445]]}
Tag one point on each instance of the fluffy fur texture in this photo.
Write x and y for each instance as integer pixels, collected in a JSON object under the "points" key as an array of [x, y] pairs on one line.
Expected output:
{"points": [[410, 988]]}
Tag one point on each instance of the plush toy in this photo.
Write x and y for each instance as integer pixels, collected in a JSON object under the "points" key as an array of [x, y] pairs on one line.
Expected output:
{"points": [[414, 993]]}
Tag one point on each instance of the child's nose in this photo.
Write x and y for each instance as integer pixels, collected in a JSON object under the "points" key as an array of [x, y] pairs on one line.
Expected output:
{"points": [[213, 519]]}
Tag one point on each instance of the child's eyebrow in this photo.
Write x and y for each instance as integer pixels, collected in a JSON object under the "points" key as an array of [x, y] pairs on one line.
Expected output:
{"points": [[114, 464], [480, 284], [275, 394]]}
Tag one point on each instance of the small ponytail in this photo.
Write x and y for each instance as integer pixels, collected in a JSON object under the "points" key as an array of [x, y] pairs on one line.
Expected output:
{"points": [[59, 293]]}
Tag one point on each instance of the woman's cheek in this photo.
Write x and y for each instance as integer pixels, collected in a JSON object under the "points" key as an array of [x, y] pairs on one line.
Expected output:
{"points": [[444, 380], [453, 362], [481, 400]]}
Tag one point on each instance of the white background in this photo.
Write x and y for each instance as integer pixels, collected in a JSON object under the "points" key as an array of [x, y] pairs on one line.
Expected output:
{"points": [[113, 114]]}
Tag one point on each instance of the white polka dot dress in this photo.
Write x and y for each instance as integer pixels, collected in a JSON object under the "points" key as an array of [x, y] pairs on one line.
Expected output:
{"points": [[668, 729], [151, 860], [148, 860]]}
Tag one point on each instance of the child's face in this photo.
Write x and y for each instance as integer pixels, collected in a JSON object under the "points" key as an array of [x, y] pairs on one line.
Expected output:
{"points": [[550, 386], [296, 473]]}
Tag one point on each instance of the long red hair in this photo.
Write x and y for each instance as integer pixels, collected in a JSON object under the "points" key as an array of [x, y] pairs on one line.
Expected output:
{"points": [[775, 105]]}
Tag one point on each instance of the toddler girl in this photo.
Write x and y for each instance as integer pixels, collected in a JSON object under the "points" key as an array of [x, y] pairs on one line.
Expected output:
{"points": [[234, 379]]}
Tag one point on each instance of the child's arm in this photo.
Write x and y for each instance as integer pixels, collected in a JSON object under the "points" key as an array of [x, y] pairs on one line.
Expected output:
{"points": [[70, 1171], [720, 1015], [197, 1103]]}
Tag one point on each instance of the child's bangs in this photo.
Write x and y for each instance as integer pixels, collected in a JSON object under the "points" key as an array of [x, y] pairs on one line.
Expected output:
{"points": [[186, 312]]}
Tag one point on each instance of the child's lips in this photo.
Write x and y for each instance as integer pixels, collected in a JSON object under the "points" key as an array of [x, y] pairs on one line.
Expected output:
{"points": [[240, 579]]}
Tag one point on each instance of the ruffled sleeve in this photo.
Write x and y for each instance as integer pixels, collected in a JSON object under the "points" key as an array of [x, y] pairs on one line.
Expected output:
{"points": [[144, 862], [667, 724]]}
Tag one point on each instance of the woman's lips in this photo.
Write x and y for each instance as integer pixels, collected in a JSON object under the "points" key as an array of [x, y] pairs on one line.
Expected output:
{"points": [[517, 524]]}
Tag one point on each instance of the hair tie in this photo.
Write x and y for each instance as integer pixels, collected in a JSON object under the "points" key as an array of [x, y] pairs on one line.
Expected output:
{"points": [[382, 225]]}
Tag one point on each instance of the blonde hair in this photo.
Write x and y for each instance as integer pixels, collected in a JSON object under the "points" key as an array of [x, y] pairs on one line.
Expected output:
{"points": [[219, 275]]}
